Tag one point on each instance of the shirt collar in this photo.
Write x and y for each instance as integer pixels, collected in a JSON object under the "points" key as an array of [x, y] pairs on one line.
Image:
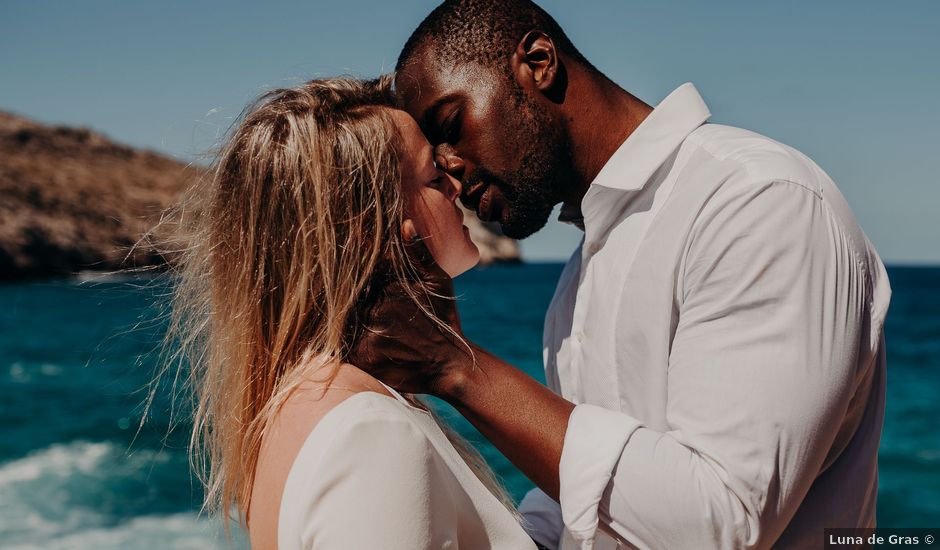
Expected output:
{"points": [[650, 144], [660, 133]]}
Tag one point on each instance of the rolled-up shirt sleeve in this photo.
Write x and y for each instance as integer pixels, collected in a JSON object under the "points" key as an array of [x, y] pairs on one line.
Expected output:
{"points": [[594, 443], [763, 364]]}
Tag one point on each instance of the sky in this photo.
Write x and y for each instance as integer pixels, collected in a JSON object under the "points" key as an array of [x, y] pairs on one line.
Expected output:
{"points": [[854, 84]]}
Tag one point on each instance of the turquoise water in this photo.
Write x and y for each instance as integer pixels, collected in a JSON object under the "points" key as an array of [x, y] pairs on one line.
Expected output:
{"points": [[74, 356]]}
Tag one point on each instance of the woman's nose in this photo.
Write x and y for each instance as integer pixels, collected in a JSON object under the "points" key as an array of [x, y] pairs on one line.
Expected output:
{"points": [[455, 187]]}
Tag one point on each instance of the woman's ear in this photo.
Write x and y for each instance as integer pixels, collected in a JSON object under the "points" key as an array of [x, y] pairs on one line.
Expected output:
{"points": [[408, 231]]}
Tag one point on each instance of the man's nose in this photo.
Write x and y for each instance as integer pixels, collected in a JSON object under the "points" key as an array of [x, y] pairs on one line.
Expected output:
{"points": [[449, 161]]}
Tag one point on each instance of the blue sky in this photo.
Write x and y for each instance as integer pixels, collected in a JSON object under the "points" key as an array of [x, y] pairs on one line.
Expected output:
{"points": [[854, 84]]}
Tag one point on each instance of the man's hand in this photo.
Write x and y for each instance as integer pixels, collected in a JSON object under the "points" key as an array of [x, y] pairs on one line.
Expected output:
{"points": [[407, 350], [402, 345]]}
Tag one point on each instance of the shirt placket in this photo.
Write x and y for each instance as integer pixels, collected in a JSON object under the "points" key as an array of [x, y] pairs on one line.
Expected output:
{"points": [[579, 329]]}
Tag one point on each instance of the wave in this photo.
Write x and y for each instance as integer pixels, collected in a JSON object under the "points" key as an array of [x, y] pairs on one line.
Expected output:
{"points": [[86, 494], [182, 531], [123, 276]]}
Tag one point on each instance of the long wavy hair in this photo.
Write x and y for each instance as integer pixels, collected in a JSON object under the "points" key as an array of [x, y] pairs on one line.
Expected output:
{"points": [[280, 242]]}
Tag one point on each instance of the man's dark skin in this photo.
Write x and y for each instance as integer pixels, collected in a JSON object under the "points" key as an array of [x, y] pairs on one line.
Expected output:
{"points": [[521, 417]]}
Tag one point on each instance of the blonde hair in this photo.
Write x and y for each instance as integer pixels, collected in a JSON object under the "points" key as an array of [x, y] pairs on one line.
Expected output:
{"points": [[282, 243]]}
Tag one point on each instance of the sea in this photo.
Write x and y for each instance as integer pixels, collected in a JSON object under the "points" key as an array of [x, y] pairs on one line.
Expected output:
{"points": [[77, 471]]}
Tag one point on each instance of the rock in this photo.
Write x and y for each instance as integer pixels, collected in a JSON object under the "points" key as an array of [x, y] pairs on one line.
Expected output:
{"points": [[71, 200], [494, 246]]}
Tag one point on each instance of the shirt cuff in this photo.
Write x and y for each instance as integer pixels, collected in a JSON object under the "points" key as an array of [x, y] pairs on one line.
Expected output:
{"points": [[542, 518], [594, 441]]}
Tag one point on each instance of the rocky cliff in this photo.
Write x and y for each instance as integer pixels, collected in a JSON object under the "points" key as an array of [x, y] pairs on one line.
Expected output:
{"points": [[71, 201]]}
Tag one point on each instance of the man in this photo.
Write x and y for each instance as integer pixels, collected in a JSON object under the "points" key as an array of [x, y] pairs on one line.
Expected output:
{"points": [[715, 346]]}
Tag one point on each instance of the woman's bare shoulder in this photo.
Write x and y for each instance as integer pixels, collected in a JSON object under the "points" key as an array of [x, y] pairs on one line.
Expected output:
{"points": [[313, 399], [302, 411]]}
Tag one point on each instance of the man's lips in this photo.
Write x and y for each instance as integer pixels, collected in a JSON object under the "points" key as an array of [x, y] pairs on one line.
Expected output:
{"points": [[479, 197], [485, 207], [470, 197], [472, 193]]}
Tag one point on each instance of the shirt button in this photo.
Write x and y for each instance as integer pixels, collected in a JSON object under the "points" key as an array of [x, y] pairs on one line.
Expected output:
{"points": [[579, 336]]}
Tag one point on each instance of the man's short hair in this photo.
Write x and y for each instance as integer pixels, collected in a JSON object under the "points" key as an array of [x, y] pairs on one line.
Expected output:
{"points": [[483, 31]]}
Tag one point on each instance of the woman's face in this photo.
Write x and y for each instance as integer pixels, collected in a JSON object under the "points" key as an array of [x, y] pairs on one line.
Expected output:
{"points": [[431, 208]]}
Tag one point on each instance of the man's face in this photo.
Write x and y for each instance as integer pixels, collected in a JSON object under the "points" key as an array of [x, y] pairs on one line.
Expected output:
{"points": [[511, 157]]}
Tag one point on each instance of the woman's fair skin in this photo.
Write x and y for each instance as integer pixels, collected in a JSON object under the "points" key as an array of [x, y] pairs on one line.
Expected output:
{"points": [[432, 215], [435, 216]]}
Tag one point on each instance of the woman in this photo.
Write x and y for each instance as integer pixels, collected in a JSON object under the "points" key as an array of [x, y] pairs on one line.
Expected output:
{"points": [[306, 220]]}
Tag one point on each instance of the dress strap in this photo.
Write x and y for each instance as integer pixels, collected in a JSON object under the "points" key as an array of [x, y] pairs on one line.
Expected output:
{"points": [[395, 393]]}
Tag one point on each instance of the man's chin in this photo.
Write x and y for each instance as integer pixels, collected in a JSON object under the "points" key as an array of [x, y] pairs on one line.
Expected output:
{"points": [[522, 229]]}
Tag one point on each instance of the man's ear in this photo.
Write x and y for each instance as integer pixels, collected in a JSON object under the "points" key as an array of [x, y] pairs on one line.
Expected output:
{"points": [[535, 62]]}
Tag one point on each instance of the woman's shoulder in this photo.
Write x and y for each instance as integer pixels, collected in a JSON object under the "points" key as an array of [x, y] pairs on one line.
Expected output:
{"points": [[350, 396], [369, 456], [307, 433], [358, 445], [312, 421], [361, 409], [320, 394], [351, 408], [364, 421]]}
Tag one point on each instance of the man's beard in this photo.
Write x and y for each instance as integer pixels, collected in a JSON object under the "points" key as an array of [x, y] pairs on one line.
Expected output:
{"points": [[533, 190]]}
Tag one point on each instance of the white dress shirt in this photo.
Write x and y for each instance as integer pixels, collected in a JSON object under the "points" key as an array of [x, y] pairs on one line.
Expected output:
{"points": [[378, 473], [720, 329]]}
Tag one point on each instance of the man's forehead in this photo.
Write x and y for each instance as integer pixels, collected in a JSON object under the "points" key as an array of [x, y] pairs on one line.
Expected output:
{"points": [[425, 82]]}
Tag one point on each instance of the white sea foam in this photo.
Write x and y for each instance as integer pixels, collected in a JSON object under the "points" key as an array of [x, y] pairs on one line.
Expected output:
{"points": [[183, 531], [64, 497], [91, 277], [25, 373], [60, 460]]}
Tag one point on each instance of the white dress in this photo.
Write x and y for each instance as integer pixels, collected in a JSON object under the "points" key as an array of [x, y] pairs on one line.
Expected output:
{"points": [[378, 473]]}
